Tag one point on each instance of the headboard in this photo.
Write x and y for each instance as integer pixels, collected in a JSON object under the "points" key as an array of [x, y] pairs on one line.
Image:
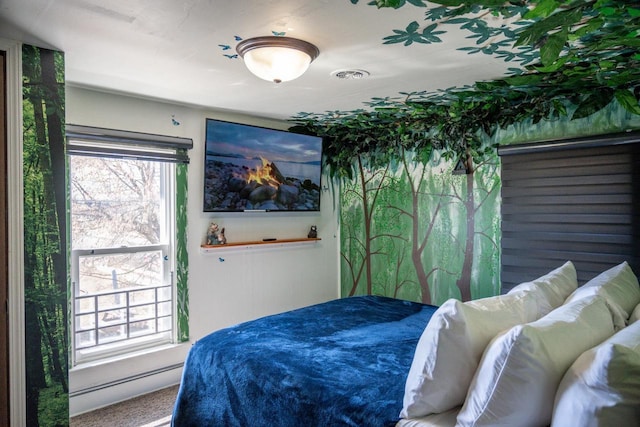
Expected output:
{"points": [[576, 200]]}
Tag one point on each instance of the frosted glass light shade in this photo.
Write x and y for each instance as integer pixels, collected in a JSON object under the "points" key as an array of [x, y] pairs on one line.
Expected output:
{"points": [[277, 59]]}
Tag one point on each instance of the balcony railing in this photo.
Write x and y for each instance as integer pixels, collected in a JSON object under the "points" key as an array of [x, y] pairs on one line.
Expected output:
{"points": [[109, 317]]}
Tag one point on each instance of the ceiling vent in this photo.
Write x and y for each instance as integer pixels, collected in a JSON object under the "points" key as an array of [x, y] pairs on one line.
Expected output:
{"points": [[350, 74]]}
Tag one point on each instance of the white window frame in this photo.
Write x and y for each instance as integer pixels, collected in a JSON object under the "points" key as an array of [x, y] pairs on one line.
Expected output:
{"points": [[99, 142]]}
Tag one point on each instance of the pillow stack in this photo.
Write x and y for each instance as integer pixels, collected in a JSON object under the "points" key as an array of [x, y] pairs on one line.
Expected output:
{"points": [[535, 373], [451, 346], [521, 369], [545, 353]]}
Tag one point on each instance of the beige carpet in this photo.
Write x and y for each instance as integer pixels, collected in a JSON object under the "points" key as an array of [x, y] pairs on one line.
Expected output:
{"points": [[151, 410]]}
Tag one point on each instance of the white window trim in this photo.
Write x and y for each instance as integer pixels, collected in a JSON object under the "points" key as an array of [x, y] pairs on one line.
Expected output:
{"points": [[168, 217], [15, 200]]}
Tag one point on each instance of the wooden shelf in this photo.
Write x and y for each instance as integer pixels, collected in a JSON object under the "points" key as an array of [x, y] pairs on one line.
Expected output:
{"points": [[259, 243]]}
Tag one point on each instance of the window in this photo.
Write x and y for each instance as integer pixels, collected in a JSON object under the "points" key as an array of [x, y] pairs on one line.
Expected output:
{"points": [[123, 249], [572, 200]]}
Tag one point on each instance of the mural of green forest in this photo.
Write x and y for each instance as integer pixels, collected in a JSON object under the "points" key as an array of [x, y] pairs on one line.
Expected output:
{"points": [[45, 238], [417, 231], [404, 227]]}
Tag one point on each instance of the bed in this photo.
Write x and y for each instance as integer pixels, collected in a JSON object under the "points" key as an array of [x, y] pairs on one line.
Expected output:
{"points": [[343, 362], [515, 359], [567, 355]]}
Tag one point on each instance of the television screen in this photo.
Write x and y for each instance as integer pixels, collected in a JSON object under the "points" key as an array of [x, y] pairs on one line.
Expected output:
{"points": [[251, 168]]}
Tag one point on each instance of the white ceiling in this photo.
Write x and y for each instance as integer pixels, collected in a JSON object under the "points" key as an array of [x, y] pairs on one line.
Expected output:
{"points": [[170, 49]]}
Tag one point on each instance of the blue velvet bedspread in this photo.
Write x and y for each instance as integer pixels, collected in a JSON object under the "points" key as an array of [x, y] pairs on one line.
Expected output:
{"points": [[340, 363]]}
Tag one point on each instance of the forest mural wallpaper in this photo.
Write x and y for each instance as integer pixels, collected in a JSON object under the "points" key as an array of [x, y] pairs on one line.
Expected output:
{"points": [[404, 226], [45, 238], [418, 231]]}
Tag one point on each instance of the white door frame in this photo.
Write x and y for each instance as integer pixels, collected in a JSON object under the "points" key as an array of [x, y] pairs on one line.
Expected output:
{"points": [[15, 219]]}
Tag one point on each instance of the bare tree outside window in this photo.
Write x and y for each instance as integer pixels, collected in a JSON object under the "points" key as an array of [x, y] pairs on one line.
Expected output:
{"points": [[114, 202], [119, 244]]}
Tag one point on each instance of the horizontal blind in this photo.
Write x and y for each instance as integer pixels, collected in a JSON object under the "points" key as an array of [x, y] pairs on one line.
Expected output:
{"points": [[579, 202], [94, 141]]}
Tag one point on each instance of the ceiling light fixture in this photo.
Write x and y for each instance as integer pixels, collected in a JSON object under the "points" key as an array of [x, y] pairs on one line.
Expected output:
{"points": [[277, 59]]}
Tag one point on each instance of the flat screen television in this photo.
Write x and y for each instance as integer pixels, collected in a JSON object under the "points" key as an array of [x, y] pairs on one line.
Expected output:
{"points": [[251, 168]]}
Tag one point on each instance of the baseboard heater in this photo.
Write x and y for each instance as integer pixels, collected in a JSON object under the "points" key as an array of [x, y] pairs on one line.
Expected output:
{"points": [[125, 380]]}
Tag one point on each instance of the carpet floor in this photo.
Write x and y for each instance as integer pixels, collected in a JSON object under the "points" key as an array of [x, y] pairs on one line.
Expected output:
{"points": [[150, 410]]}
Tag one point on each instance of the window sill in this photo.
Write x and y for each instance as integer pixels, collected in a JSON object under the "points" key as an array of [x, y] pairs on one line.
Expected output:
{"points": [[131, 357]]}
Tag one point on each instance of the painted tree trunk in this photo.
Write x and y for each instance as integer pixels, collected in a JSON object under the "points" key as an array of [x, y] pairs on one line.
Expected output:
{"points": [[464, 282]]}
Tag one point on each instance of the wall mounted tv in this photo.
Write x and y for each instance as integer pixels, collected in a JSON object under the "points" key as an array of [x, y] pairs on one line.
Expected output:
{"points": [[250, 168]]}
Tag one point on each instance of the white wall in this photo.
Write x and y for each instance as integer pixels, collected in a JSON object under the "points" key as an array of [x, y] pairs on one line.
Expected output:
{"points": [[249, 283]]}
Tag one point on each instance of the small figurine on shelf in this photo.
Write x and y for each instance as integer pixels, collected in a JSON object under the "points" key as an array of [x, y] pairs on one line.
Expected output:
{"points": [[221, 237], [215, 235], [313, 233]]}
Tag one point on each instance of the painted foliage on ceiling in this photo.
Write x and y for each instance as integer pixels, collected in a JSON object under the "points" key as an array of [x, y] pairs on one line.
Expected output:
{"points": [[570, 59], [410, 227]]}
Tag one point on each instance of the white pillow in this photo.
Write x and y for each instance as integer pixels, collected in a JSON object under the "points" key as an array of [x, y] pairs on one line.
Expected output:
{"points": [[619, 286], [602, 387], [443, 419], [553, 288], [635, 316], [451, 346], [521, 369]]}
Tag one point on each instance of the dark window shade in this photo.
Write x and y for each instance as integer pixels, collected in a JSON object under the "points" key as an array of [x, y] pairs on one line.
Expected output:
{"points": [[580, 202], [92, 141]]}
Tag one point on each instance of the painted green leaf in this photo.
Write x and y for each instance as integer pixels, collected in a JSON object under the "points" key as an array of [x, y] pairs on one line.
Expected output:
{"points": [[491, 49], [555, 66], [607, 65], [429, 34], [388, 3], [412, 27], [540, 29], [608, 11], [550, 50], [593, 102], [454, 3], [591, 26], [524, 80], [449, 3], [628, 101], [392, 3], [410, 35], [461, 20], [470, 50], [436, 13]]}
